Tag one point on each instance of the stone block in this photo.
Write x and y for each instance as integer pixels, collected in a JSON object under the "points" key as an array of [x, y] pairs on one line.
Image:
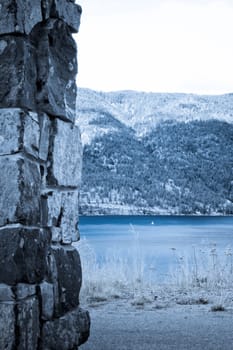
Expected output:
{"points": [[31, 133], [45, 124], [67, 11], [19, 16], [20, 191], [10, 130], [62, 214], [56, 233], [28, 325], [56, 69], [67, 332], [66, 275], [7, 325], [24, 291], [47, 300], [23, 255], [6, 293], [19, 131], [65, 155], [17, 73]]}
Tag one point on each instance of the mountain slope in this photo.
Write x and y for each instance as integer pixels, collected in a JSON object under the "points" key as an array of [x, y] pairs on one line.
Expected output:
{"points": [[156, 153]]}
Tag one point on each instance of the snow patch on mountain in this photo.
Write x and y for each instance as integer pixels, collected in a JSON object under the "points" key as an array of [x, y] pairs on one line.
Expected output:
{"points": [[142, 111]]}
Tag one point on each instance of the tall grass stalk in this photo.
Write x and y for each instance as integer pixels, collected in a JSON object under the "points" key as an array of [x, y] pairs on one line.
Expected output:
{"points": [[114, 275], [207, 268]]}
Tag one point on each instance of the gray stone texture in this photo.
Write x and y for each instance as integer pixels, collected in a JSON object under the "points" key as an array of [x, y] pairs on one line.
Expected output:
{"points": [[19, 131], [65, 155], [56, 233], [23, 255], [18, 292], [62, 215], [67, 332], [17, 73], [7, 325], [22, 15], [28, 325], [23, 291], [40, 160], [19, 16], [47, 300], [56, 69], [20, 191], [6, 293], [10, 125], [40, 67], [66, 275], [67, 11], [45, 125], [31, 133]]}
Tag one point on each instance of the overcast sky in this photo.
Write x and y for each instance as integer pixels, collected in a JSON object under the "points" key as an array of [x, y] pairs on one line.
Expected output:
{"points": [[156, 45]]}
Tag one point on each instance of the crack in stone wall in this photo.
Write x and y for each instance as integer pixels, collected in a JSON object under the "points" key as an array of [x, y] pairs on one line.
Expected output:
{"points": [[40, 161]]}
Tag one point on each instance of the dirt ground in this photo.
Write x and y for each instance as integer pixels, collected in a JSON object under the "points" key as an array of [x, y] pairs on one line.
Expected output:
{"points": [[118, 325]]}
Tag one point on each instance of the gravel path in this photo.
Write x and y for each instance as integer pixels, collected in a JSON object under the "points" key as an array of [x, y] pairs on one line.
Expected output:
{"points": [[120, 326]]}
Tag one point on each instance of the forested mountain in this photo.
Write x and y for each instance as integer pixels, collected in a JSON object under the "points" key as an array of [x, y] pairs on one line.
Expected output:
{"points": [[147, 153]]}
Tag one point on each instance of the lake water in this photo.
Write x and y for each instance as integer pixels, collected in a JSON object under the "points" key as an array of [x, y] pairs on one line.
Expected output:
{"points": [[157, 241]]}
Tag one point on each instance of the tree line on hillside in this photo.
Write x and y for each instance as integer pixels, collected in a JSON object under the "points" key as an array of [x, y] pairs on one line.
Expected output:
{"points": [[184, 168]]}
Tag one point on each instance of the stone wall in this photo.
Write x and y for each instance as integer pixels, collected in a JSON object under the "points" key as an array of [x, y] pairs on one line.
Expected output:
{"points": [[40, 161]]}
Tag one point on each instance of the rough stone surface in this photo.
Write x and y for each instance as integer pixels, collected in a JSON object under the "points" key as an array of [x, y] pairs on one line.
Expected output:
{"points": [[40, 67], [7, 325], [45, 124], [62, 209], [56, 233], [65, 155], [66, 275], [67, 332], [20, 191], [47, 300], [46, 8], [31, 133], [56, 69], [65, 10], [10, 124], [6, 293], [23, 255], [40, 73], [68, 11], [23, 290], [28, 324], [17, 73], [19, 16], [40, 160], [14, 121]]}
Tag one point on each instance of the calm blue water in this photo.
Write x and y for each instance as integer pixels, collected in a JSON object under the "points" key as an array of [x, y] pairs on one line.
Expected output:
{"points": [[154, 238]]}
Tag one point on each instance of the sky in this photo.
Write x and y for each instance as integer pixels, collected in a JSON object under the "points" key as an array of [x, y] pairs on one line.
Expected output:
{"points": [[156, 45]]}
